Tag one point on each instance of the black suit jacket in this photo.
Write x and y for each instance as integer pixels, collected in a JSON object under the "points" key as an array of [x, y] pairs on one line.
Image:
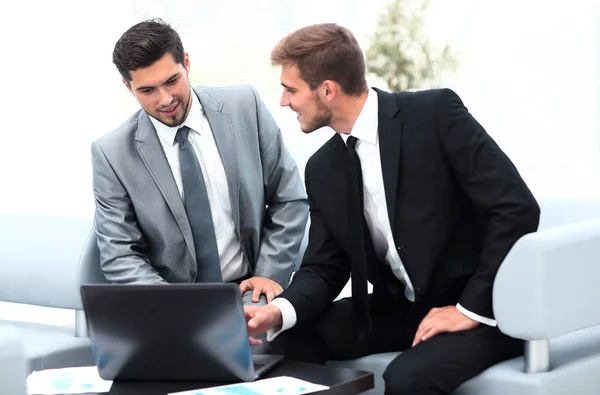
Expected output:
{"points": [[456, 206]]}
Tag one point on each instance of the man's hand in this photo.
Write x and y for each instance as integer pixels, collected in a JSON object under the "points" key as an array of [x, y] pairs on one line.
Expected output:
{"points": [[444, 319], [261, 319], [261, 285]]}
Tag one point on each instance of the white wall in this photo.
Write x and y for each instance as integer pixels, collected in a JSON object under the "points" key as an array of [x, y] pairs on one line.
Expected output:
{"points": [[528, 71]]}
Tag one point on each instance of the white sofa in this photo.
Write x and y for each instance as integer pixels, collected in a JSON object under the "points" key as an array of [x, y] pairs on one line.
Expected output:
{"points": [[39, 265], [44, 260], [13, 366], [545, 293]]}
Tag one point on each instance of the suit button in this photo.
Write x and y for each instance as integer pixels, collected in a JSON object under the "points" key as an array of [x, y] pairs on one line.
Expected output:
{"points": [[193, 274]]}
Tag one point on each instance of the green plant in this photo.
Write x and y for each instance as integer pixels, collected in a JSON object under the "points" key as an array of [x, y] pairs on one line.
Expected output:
{"points": [[401, 53]]}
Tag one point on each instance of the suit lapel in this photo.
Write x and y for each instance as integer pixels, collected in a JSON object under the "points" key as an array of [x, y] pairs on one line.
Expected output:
{"points": [[155, 160], [390, 135], [220, 125]]}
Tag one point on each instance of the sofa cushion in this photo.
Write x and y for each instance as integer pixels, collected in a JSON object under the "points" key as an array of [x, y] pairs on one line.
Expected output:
{"points": [[51, 347], [574, 364], [13, 367]]}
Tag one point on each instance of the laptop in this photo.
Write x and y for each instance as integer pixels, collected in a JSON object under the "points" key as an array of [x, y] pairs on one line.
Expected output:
{"points": [[172, 332]]}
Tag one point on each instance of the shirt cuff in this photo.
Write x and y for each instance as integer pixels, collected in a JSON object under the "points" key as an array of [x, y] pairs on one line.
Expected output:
{"points": [[475, 317], [288, 318]]}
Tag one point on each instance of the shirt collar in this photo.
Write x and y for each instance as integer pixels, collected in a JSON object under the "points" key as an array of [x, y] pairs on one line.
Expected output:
{"points": [[367, 123], [193, 121]]}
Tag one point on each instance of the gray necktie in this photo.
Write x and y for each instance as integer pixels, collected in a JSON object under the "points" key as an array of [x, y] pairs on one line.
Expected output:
{"points": [[197, 207]]}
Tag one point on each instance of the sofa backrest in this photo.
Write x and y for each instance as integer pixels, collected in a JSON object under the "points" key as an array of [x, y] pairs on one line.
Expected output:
{"points": [[554, 212], [39, 259], [558, 212], [89, 271], [44, 259]]}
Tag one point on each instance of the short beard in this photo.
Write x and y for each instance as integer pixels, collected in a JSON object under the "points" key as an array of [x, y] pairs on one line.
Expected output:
{"points": [[176, 122], [321, 119]]}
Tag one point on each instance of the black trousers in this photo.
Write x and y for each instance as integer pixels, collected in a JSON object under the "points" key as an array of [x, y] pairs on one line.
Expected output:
{"points": [[436, 366]]}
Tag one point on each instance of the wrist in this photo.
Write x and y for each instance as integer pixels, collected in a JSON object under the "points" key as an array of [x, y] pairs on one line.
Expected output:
{"points": [[275, 314]]}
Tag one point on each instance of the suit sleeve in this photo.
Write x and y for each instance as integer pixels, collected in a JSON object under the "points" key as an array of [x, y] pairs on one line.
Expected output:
{"points": [[496, 189], [287, 206], [120, 240], [325, 268]]}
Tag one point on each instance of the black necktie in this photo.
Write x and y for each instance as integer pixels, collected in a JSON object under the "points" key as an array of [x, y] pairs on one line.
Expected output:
{"points": [[359, 269], [356, 160], [197, 207]]}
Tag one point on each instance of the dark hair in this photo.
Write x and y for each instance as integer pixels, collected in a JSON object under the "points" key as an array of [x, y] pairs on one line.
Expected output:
{"points": [[324, 52], [145, 43]]}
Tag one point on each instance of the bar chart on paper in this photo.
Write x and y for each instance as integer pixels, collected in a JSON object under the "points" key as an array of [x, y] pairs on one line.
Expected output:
{"points": [[283, 385]]}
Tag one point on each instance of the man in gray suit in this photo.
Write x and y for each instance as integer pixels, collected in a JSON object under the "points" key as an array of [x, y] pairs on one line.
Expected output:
{"points": [[198, 179]]}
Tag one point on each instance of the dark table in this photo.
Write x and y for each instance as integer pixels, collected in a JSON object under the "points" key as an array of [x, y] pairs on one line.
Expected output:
{"points": [[341, 381]]}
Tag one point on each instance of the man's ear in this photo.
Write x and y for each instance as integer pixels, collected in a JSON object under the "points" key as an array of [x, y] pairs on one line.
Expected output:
{"points": [[127, 84], [186, 62], [329, 90]]}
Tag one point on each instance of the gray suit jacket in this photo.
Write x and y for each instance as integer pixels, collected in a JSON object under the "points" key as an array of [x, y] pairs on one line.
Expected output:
{"points": [[143, 232]]}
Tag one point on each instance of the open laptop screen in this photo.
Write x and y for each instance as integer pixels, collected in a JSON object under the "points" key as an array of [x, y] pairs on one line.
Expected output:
{"points": [[190, 332]]}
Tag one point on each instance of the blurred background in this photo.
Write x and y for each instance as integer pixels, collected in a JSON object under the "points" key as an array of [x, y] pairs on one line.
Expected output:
{"points": [[528, 70]]}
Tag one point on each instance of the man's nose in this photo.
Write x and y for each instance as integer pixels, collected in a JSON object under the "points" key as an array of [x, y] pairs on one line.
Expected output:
{"points": [[165, 97], [284, 101]]}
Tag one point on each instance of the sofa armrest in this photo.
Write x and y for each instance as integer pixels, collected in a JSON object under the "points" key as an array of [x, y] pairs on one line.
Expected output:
{"points": [[547, 286]]}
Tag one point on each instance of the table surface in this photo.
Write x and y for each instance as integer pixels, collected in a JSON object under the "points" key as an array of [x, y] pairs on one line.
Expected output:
{"points": [[341, 381]]}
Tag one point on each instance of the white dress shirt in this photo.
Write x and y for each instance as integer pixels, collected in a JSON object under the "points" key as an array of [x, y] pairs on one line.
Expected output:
{"points": [[231, 257], [375, 211]]}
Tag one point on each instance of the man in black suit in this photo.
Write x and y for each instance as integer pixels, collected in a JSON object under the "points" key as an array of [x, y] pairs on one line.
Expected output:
{"points": [[411, 194]]}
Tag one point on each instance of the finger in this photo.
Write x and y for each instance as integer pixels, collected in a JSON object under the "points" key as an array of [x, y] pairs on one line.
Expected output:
{"points": [[415, 341], [259, 321], [418, 337], [256, 294], [253, 325], [427, 320], [270, 296], [249, 312], [279, 290], [421, 328], [254, 341], [425, 326], [245, 286], [432, 332]]}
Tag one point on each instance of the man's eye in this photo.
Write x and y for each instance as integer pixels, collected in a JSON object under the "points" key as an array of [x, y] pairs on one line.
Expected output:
{"points": [[171, 82]]}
